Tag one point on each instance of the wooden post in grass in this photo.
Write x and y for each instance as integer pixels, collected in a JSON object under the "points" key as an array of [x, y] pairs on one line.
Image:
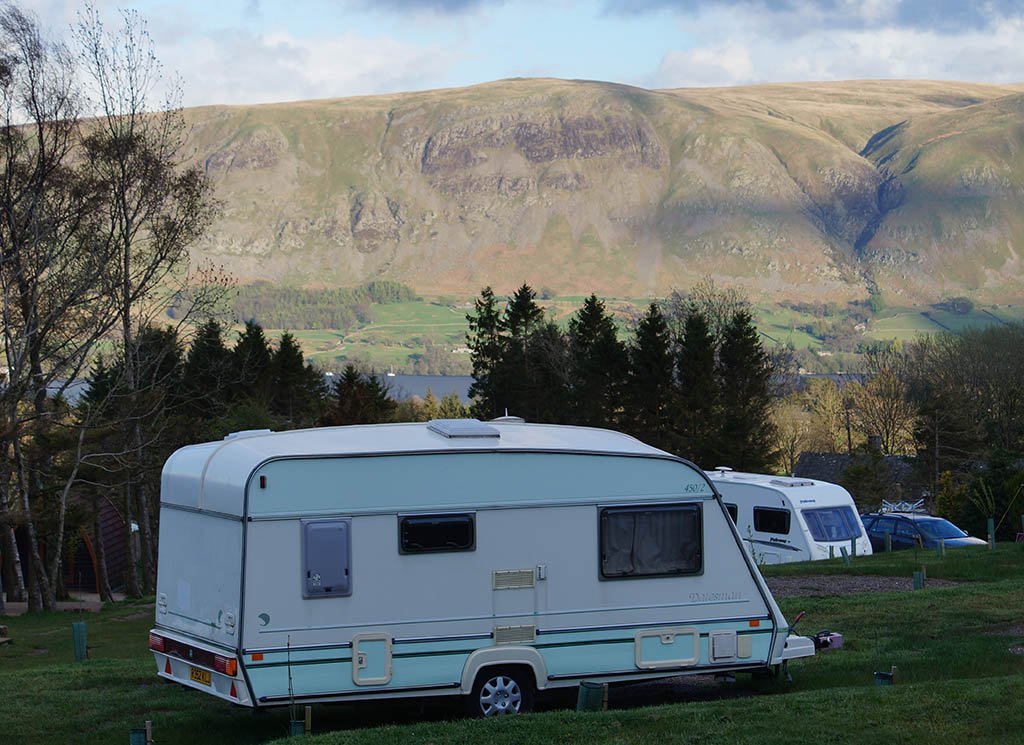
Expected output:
{"points": [[918, 580], [941, 549], [888, 543], [991, 532], [309, 720], [853, 547], [846, 555], [832, 549]]}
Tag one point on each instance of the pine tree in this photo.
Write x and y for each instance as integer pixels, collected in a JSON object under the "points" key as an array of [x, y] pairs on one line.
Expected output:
{"points": [[517, 377], [545, 390], [431, 406], [649, 385], [207, 374], [696, 402], [451, 407], [250, 360], [486, 346], [297, 387], [598, 365], [359, 399], [522, 315], [747, 432]]}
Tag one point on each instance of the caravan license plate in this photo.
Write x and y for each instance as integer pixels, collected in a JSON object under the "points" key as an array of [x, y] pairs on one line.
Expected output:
{"points": [[199, 675]]}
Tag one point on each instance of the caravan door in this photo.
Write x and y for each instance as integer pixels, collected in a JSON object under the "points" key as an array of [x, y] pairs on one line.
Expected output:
{"points": [[371, 659]]}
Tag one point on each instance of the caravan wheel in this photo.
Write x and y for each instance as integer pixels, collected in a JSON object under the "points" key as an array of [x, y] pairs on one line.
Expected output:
{"points": [[502, 691]]}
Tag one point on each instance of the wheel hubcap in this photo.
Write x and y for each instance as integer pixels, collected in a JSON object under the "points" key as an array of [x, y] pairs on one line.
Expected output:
{"points": [[500, 695]]}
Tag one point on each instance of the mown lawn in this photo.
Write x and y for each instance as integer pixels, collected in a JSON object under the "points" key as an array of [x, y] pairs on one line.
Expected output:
{"points": [[957, 649]]}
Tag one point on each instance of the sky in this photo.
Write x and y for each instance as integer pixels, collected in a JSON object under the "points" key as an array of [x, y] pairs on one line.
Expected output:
{"points": [[265, 51]]}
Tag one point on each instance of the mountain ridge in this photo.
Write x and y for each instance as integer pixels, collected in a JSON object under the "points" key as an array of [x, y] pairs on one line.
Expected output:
{"points": [[585, 186]]}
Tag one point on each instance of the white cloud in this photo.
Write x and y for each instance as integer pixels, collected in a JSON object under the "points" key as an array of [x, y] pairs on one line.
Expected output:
{"points": [[708, 65], [235, 66], [736, 52]]}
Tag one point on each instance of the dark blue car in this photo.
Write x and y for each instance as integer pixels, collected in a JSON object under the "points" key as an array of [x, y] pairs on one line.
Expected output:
{"points": [[911, 529]]}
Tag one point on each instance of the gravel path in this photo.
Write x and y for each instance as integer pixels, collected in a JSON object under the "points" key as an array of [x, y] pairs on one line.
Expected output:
{"points": [[824, 585]]}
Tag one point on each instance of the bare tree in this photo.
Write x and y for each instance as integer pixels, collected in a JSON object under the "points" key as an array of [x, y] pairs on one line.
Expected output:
{"points": [[882, 406], [157, 208], [792, 429], [95, 221], [717, 304], [829, 415], [54, 299]]}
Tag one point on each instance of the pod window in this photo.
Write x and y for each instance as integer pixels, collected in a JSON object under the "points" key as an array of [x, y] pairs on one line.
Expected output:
{"points": [[651, 541], [770, 520], [422, 534], [326, 558]]}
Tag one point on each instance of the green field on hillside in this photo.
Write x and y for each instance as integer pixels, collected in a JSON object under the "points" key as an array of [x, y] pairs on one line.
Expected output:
{"points": [[958, 650], [908, 324], [399, 333]]}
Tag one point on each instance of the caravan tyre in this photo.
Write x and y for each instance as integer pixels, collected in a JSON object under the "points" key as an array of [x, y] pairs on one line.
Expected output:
{"points": [[500, 691]]}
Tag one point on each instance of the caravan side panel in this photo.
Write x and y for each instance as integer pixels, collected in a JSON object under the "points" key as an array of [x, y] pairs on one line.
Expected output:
{"points": [[532, 581]]}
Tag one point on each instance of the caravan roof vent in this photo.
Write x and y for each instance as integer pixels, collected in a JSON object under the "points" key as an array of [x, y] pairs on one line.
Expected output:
{"points": [[247, 433], [459, 428], [791, 482]]}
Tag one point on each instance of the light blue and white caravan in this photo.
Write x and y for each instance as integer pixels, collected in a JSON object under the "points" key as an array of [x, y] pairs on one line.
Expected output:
{"points": [[456, 557]]}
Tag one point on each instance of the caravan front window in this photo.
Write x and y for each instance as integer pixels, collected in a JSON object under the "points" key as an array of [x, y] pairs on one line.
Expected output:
{"points": [[832, 523], [651, 541]]}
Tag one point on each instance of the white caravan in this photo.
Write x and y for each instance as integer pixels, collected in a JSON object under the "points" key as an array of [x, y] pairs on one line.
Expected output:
{"points": [[452, 557], [783, 519]]}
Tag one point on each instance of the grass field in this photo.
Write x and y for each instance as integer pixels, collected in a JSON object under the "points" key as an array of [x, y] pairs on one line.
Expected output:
{"points": [[957, 649], [906, 324], [399, 332]]}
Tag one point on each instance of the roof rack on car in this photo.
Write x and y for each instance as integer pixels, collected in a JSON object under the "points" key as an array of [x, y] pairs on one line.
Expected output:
{"points": [[903, 505]]}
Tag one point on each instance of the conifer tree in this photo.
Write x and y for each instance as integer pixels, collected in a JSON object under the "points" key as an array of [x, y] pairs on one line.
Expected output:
{"points": [[696, 403], [598, 366], [250, 361], [486, 346], [528, 381], [359, 399], [451, 407], [545, 392], [747, 431], [649, 384], [207, 374], [297, 387], [431, 406]]}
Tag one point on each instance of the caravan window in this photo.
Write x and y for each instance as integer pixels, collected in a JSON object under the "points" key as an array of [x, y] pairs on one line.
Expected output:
{"points": [[733, 511], [832, 523], [770, 520], [651, 541], [436, 533], [326, 558]]}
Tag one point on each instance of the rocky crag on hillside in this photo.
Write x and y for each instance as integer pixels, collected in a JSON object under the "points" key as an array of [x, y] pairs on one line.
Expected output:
{"points": [[804, 191]]}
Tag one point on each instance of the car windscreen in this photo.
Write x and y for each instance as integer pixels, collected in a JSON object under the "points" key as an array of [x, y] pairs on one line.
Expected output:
{"points": [[936, 527], [832, 523]]}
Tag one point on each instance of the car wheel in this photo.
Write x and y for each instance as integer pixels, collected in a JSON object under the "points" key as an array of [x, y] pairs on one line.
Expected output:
{"points": [[502, 691]]}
